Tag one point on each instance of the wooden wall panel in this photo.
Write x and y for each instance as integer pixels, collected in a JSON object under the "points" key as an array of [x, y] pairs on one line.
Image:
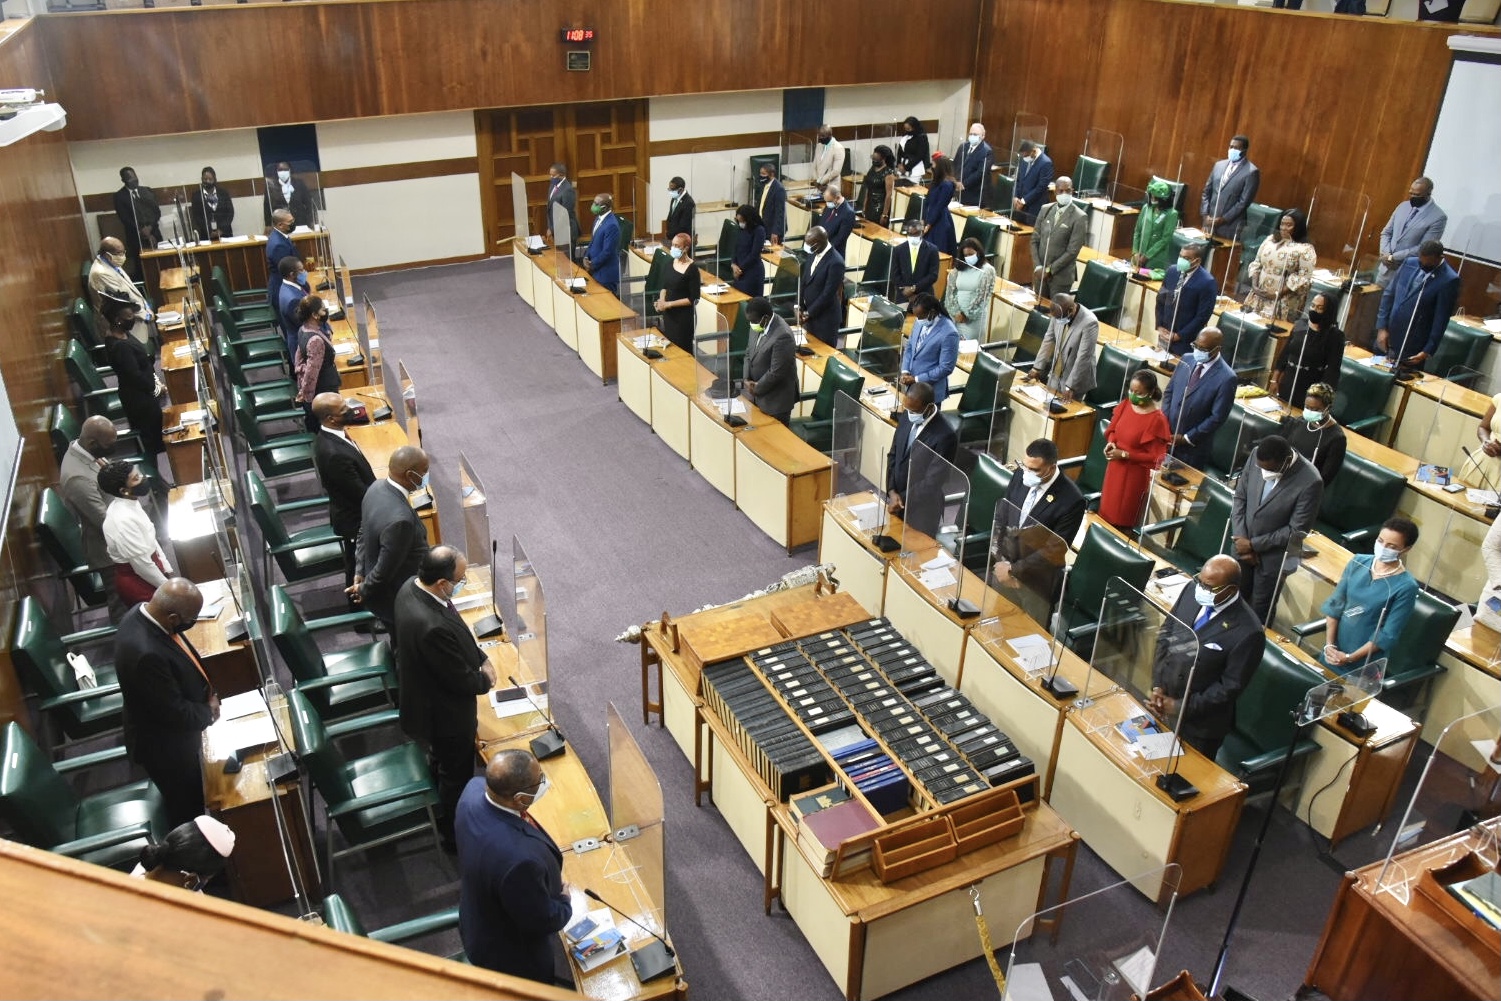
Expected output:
{"points": [[327, 61], [41, 229], [1326, 100]]}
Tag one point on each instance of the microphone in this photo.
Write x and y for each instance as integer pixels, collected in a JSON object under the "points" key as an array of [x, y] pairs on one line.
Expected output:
{"points": [[652, 960], [1059, 688], [1475, 461], [492, 624], [551, 743], [382, 412], [1411, 319]]}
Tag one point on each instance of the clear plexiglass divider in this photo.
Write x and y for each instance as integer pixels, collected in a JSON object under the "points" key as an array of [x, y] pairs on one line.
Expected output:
{"points": [[719, 371], [1027, 564], [636, 868], [934, 505], [527, 624], [1107, 148], [519, 209]]}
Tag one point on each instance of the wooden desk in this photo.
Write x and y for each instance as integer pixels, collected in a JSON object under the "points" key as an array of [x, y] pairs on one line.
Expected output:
{"points": [[711, 442], [1111, 225], [599, 320], [257, 868], [230, 666], [1072, 431], [185, 448], [781, 483], [1471, 680], [192, 529], [1393, 942], [633, 370], [243, 259], [860, 567], [674, 384], [923, 616], [180, 373]]}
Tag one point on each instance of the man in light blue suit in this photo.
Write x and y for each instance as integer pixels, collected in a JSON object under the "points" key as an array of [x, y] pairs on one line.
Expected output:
{"points": [[1198, 398], [1413, 223], [932, 348], [602, 256], [1230, 190], [1034, 173]]}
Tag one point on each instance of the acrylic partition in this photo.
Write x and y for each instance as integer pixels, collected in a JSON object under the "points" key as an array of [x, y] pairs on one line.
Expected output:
{"points": [[474, 503], [391, 388], [1025, 127], [859, 450], [636, 868], [970, 160], [720, 367], [797, 159], [935, 504], [408, 404], [300, 191], [984, 415], [1103, 152], [641, 214], [527, 624], [1340, 227], [1027, 564], [715, 179], [561, 227], [877, 348], [640, 333], [520, 211], [367, 331], [1106, 952], [1453, 459], [1454, 793]]}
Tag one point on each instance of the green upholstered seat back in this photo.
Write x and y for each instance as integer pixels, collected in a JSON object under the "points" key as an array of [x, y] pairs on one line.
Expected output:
{"points": [[1423, 637], [267, 519], [323, 761], [1363, 494], [35, 801], [1263, 713], [1103, 555], [1113, 371], [988, 483], [1363, 391], [294, 641]]}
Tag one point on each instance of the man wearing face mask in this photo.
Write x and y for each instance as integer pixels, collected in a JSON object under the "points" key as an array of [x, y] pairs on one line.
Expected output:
{"points": [[975, 160], [1213, 643], [828, 159], [821, 305], [1034, 176], [283, 191], [442, 670], [1372, 602], [914, 266], [1413, 223], [1198, 398], [168, 697], [1186, 301], [289, 294], [679, 210], [1315, 434], [1066, 360], [1057, 240], [344, 473], [932, 349], [139, 214], [914, 479], [278, 247], [109, 283], [512, 898], [1416, 306], [771, 202], [1276, 501], [770, 373], [391, 540], [602, 255], [1230, 190], [1028, 565], [78, 484], [211, 208], [837, 218], [560, 191]]}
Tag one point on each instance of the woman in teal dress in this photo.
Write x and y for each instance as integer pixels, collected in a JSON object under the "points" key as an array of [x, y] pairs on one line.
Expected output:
{"points": [[1372, 602], [1152, 243]]}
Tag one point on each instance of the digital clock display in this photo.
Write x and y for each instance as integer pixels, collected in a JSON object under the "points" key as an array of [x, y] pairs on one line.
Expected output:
{"points": [[576, 35]]}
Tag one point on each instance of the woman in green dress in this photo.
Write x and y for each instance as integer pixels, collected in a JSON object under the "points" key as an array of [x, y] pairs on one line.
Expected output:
{"points": [[1152, 243], [967, 298]]}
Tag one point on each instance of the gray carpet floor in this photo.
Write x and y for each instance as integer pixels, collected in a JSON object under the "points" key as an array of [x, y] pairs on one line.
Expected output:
{"points": [[619, 529]]}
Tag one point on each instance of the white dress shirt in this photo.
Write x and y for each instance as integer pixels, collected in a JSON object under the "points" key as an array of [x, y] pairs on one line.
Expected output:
{"points": [[130, 537]]}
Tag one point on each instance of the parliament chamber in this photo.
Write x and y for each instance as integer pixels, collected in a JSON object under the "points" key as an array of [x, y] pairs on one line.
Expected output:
{"points": [[819, 742]]}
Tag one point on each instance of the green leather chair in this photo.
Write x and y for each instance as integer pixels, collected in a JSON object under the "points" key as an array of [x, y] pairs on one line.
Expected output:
{"points": [[724, 250], [305, 555], [1002, 187], [106, 828], [1091, 466], [987, 232], [255, 343], [269, 395], [86, 378], [61, 537], [1247, 345], [83, 324], [988, 483], [1461, 347], [248, 306], [1179, 190], [1112, 376], [1360, 400], [279, 455], [914, 210], [1103, 290], [339, 916], [340, 683], [785, 279], [655, 274], [875, 279], [1201, 533], [1254, 748], [63, 429], [817, 429], [373, 800], [274, 363], [1232, 443], [1259, 223], [986, 400], [1103, 557], [1363, 495], [1089, 176], [1030, 342], [41, 659]]}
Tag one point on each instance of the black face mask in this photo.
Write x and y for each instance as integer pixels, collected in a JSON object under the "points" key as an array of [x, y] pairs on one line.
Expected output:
{"points": [[141, 489], [1316, 317], [209, 185], [1418, 201]]}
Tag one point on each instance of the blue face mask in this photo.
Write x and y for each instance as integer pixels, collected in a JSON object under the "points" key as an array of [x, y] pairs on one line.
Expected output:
{"points": [[1031, 479], [1199, 356], [1235, 155], [677, 253], [422, 485], [915, 416], [459, 586], [1203, 596], [1387, 554]]}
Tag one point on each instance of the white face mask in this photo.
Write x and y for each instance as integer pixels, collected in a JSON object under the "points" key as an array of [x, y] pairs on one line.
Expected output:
{"points": [[1065, 199], [974, 140], [915, 416], [1031, 479], [1270, 477], [1387, 554], [913, 241], [1203, 596], [972, 260], [677, 253], [284, 176], [542, 788]]}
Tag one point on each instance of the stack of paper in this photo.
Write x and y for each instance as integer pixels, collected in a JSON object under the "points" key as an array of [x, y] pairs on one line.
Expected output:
{"points": [[1265, 404], [734, 405], [1488, 498], [1033, 652], [936, 580], [969, 346], [942, 561], [1036, 393], [1494, 326], [866, 516]]}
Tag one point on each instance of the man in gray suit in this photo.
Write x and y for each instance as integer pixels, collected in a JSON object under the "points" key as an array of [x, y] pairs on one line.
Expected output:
{"points": [[560, 192], [1413, 223], [770, 374], [1060, 234], [78, 483], [1066, 359], [392, 540], [1230, 190], [1276, 501]]}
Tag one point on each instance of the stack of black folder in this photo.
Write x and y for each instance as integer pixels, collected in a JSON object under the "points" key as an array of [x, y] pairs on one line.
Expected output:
{"points": [[781, 753]]}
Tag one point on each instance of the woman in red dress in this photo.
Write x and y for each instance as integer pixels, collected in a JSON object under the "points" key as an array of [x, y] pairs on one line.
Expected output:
{"points": [[1135, 444]]}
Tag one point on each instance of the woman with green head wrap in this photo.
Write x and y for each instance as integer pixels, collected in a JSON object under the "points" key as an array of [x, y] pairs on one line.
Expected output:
{"points": [[1152, 243]]}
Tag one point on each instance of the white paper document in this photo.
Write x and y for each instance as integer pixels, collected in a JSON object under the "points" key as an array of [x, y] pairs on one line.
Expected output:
{"points": [[1038, 394], [943, 560], [192, 416], [1485, 497], [245, 732], [1157, 746], [245, 704], [936, 580], [969, 346], [1265, 404], [867, 516], [345, 348], [1136, 969], [1033, 652], [1494, 326], [734, 405], [510, 702], [719, 289]]}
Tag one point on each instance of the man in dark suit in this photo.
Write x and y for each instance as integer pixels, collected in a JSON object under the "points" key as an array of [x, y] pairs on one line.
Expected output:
{"points": [[770, 374], [289, 293], [679, 210], [560, 191], [283, 191], [1416, 306], [392, 540], [914, 478], [1186, 301], [442, 671], [1035, 522], [602, 256], [278, 246], [344, 472], [1198, 399], [1215, 637], [914, 266], [837, 218], [139, 214], [771, 202], [1034, 174], [820, 308], [512, 899], [1276, 501], [1230, 190], [169, 700], [975, 159]]}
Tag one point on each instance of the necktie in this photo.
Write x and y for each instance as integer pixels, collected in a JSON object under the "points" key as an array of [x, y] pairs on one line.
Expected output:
{"points": [[1028, 504], [530, 820], [1203, 618], [914, 259], [1198, 373], [765, 190], [182, 645], [1266, 489], [1058, 351]]}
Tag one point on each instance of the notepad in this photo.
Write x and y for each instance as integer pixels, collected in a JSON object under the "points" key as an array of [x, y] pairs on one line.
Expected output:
{"points": [[1265, 404], [734, 405]]}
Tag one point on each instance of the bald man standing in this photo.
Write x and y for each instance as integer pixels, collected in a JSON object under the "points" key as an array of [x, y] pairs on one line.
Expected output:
{"points": [[343, 471], [109, 283], [392, 540], [78, 483], [169, 700]]}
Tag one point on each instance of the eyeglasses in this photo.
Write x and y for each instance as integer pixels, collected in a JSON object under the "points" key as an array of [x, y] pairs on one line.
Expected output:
{"points": [[1199, 580]]}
